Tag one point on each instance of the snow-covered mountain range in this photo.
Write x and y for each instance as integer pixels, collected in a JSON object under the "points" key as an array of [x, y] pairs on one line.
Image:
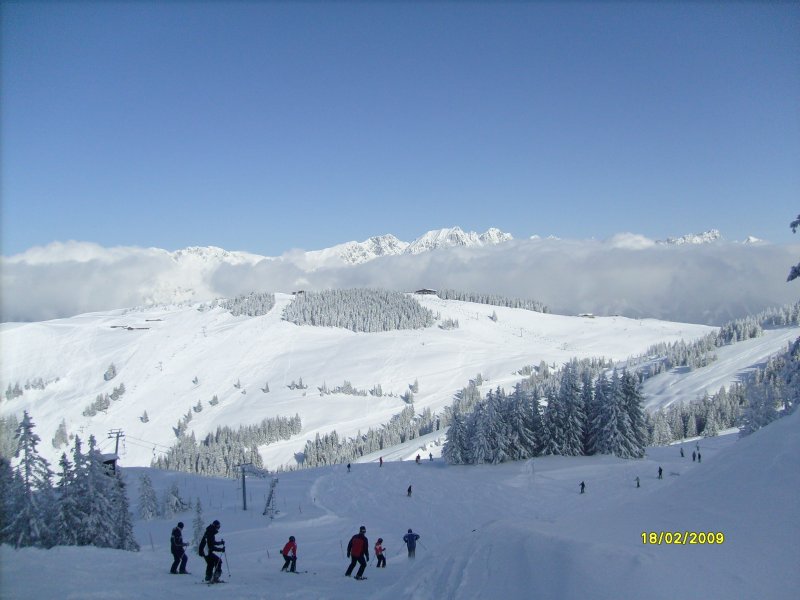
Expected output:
{"points": [[627, 274], [354, 253]]}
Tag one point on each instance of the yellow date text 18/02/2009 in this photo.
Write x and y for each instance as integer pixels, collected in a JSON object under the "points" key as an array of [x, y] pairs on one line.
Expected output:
{"points": [[682, 538]]}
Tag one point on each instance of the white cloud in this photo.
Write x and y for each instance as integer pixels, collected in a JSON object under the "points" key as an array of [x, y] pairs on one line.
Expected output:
{"points": [[625, 275]]}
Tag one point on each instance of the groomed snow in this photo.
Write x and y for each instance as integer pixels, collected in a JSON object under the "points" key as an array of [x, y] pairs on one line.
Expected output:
{"points": [[177, 344], [514, 531]]}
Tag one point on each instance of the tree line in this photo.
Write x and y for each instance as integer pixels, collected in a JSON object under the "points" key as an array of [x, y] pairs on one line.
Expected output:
{"points": [[87, 505], [218, 454], [359, 310]]}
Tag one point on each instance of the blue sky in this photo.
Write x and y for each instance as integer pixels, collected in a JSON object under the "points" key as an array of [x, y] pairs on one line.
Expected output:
{"points": [[270, 126]]}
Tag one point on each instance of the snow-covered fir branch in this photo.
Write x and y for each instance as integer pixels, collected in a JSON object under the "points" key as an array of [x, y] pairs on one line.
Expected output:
{"points": [[359, 310]]}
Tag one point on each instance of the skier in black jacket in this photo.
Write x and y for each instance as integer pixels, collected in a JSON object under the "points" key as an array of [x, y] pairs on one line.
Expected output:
{"points": [[178, 553], [213, 562]]}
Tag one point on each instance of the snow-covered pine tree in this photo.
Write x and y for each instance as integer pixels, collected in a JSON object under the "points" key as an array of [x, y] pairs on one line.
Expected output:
{"points": [[93, 488], [173, 503], [632, 398], [61, 438], [148, 501], [613, 424], [123, 520], [479, 449], [496, 430], [522, 439], [454, 450], [31, 524], [7, 496], [574, 423], [662, 433], [198, 525], [68, 515]]}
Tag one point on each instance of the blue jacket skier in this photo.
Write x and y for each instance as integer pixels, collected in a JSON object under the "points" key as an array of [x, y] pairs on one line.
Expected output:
{"points": [[411, 541]]}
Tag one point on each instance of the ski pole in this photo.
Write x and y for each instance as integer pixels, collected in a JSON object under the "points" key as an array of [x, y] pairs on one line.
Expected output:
{"points": [[225, 554], [341, 545]]}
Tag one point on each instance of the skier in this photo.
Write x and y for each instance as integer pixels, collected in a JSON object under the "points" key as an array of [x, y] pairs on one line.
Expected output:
{"points": [[681, 451], [409, 491], [213, 562], [637, 481], [358, 552], [379, 550], [289, 554], [411, 541], [694, 455], [430, 454], [699, 458], [660, 472], [348, 467], [417, 458], [380, 460], [583, 487], [177, 546]]}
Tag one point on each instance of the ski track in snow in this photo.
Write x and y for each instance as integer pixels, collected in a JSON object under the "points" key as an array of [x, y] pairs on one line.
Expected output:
{"points": [[518, 530]]}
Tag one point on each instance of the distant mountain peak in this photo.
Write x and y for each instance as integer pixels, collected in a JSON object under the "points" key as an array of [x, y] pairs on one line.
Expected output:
{"points": [[455, 236], [354, 253], [706, 237]]}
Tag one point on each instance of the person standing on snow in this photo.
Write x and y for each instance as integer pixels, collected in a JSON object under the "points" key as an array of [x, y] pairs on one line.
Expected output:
{"points": [[411, 541], [380, 460], [289, 554], [409, 491], [583, 487], [358, 552], [660, 473], [379, 550], [177, 546], [213, 562]]}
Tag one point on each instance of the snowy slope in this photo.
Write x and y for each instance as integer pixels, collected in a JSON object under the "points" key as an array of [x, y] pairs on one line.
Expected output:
{"points": [[515, 531], [169, 348], [175, 346], [733, 363]]}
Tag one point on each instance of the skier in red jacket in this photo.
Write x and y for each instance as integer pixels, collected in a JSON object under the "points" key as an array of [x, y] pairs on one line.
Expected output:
{"points": [[358, 552], [379, 550], [289, 553]]}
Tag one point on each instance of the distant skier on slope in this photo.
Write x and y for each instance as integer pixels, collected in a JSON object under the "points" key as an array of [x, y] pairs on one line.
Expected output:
{"points": [[583, 487], [660, 473], [681, 451], [358, 552], [289, 554], [411, 541], [409, 491]]}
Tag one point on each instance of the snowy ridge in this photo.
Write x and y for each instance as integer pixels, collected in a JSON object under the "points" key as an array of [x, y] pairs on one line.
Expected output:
{"points": [[354, 253], [455, 237], [707, 237]]}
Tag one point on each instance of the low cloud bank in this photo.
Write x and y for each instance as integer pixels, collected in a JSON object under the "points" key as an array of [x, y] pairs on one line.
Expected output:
{"points": [[625, 275]]}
